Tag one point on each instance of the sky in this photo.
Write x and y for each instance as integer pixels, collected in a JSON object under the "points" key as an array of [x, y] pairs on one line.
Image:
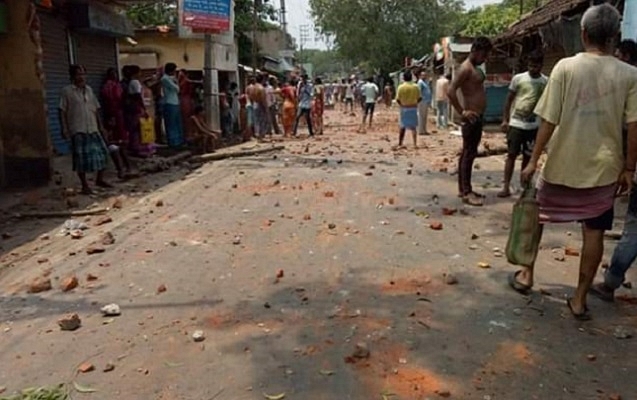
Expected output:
{"points": [[299, 14]]}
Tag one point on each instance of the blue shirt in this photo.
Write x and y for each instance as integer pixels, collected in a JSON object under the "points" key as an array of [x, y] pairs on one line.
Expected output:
{"points": [[425, 91], [305, 93], [171, 90]]}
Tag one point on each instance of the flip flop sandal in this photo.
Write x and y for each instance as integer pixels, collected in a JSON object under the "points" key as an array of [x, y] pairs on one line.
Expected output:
{"points": [[516, 285], [583, 316], [481, 196], [476, 202]]}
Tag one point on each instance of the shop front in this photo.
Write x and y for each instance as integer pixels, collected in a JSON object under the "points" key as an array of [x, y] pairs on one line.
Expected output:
{"points": [[77, 33]]}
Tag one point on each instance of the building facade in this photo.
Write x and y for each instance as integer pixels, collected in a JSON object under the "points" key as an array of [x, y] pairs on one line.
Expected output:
{"points": [[42, 39]]}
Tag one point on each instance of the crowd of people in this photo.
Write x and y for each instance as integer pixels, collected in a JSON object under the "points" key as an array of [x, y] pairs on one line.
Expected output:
{"points": [[587, 128]]}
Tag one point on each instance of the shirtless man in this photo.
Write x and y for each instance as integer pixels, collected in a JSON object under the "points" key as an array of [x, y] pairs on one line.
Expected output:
{"points": [[258, 98], [249, 131], [470, 80]]}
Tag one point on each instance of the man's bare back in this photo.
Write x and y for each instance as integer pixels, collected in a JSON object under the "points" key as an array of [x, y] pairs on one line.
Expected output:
{"points": [[257, 94]]}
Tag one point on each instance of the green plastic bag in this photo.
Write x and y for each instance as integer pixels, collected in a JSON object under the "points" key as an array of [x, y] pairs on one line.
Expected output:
{"points": [[525, 232]]}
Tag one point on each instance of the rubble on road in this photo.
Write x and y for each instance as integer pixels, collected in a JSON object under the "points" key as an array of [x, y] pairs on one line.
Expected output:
{"points": [[70, 322]]}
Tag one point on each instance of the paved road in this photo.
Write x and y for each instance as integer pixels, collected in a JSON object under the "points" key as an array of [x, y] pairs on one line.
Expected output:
{"points": [[287, 262]]}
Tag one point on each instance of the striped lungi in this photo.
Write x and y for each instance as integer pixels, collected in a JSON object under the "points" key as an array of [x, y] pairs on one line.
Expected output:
{"points": [[89, 152]]}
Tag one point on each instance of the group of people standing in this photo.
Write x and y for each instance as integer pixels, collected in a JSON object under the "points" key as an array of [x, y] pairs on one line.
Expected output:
{"points": [[584, 118], [266, 102], [112, 122]]}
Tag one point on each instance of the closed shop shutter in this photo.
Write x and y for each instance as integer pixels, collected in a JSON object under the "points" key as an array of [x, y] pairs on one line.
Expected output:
{"points": [[96, 54], [56, 69]]}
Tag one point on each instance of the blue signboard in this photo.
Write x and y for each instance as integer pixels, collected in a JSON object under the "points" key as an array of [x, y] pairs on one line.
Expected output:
{"points": [[209, 15]]}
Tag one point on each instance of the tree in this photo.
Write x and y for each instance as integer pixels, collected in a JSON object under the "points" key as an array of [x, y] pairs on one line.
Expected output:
{"points": [[493, 19], [382, 32]]}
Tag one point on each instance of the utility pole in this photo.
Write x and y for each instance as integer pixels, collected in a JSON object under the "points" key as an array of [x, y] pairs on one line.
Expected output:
{"points": [[255, 17], [283, 17], [521, 7], [304, 37]]}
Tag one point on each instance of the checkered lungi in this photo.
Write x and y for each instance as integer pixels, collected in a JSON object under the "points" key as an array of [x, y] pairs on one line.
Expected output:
{"points": [[89, 152]]}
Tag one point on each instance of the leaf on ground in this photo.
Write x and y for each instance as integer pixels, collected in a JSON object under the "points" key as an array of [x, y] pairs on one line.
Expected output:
{"points": [[83, 389], [274, 397], [326, 372], [43, 393], [172, 364]]}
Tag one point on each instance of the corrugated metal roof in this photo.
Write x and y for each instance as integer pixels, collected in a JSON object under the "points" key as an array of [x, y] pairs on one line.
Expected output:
{"points": [[541, 16]]}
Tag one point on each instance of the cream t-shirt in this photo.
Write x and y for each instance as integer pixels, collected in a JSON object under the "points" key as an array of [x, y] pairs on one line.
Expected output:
{"points": [[587, 97]]}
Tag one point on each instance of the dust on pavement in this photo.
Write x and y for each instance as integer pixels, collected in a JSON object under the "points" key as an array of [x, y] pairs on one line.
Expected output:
{"points": [[313, 272]]}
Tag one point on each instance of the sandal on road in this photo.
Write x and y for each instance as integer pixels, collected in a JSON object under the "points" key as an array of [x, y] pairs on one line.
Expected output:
{"points": [[517, 285], [583, 316], [473, 200]]}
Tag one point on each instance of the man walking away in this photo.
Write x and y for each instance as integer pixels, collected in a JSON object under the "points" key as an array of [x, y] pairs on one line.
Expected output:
{"points": [[584, 169], [304, 93], [408, 97], [370, 94], [470, 81], [625, 253], [273, 107], [79, 111], [423, 106], [442, 102], [520, 122], [258, 98], [349, 96]]}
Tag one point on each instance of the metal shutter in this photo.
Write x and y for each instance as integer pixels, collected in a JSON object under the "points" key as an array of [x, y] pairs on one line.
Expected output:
{"points": [[56, 70], [96, 54]]}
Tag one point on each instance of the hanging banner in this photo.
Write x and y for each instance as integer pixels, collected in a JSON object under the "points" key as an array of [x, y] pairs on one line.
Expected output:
{"points": [[207, 15]]}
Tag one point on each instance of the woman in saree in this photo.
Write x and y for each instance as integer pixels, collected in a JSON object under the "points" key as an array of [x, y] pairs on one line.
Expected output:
{"points": [[318, 106], [288, 116]]}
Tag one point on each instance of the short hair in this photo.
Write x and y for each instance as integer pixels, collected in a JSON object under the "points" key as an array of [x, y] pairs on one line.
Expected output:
{"points": [[76, 69], [601, 24], [259, 78], [535, 57], [134, 69], [198, 110], [407, 76], [170, 68], [370, 79], [448, 76], [628, 48], [318, 81], [482, 43]]}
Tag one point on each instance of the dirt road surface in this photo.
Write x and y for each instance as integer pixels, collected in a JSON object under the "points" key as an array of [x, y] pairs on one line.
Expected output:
{"points": [[313, 272]]}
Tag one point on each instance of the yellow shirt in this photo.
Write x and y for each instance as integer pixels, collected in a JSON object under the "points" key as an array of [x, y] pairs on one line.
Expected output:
{"points": [[408, 94], [587, 97]]}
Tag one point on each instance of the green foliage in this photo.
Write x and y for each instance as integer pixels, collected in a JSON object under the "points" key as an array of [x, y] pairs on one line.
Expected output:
{"points": [[489, 20], [59, 392], [383, 32], [493, 19], [161, 12]]}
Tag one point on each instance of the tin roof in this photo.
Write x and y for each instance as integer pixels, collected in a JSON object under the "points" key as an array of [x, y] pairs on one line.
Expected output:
{"points": [[530, 22]]}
